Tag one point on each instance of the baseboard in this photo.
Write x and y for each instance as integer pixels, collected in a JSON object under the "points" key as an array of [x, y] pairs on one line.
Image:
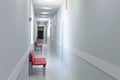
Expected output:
{"points": [[110, 69], [18, 67]]}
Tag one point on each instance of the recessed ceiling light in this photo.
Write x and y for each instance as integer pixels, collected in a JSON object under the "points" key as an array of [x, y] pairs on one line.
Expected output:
{"points": [[46, 8], [43, 19], [44, 12], [49, 1], [43, 16]]}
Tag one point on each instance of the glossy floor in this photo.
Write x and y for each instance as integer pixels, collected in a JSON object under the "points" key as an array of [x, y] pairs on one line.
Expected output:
{"points": [[55, 69]]}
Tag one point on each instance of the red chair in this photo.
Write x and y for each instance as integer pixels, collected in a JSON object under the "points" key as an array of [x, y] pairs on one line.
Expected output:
{"points": [[39, 40], [37, 45], [36, 62]]}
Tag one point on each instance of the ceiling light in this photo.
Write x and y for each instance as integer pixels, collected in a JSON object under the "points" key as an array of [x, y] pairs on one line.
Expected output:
{"points": [[44, 16], [43, 19], [49, 0], [44, 12], [46, 8]]}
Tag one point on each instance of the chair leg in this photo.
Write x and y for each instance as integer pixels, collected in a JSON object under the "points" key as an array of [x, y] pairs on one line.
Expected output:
{"points": [[41, 48], [44, 70], [35, 48], [30, 69]]}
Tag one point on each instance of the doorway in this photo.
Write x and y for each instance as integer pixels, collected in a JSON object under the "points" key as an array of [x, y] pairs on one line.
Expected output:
{"points": [[40, 32]]}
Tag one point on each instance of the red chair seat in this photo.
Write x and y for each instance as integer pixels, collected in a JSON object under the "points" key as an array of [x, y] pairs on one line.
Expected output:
{"points": [[38, 45], [39, 61]]}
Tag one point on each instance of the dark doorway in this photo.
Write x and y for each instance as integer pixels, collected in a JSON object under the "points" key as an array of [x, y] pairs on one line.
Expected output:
{"points": [[41, 32]]}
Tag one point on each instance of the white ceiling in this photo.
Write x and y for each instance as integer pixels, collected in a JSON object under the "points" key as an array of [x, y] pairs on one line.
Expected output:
{"points": [[40, 4]]}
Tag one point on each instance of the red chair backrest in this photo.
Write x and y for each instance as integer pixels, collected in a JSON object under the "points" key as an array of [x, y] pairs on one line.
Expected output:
{"points": [[32, 56]]}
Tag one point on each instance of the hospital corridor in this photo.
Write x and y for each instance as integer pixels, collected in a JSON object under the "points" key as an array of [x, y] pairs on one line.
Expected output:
{"points": [[59, 39]]}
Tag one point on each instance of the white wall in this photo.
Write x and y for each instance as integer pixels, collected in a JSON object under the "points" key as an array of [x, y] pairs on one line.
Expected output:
{"points": [[33, 24], [45, 32], [14, 34], [35, 29], [57, 30], [91, 27], [24, 72]]}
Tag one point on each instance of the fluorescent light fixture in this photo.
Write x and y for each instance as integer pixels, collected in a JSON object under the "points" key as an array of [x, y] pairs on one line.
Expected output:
{"points": [[46, 8], [56, 1], [43, 19], [44, 12], [49, 1], [43, 15]]}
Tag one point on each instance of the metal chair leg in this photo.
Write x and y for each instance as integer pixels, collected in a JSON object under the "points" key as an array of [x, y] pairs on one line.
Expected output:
{"points": [[44, 70], [30, 69]]}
